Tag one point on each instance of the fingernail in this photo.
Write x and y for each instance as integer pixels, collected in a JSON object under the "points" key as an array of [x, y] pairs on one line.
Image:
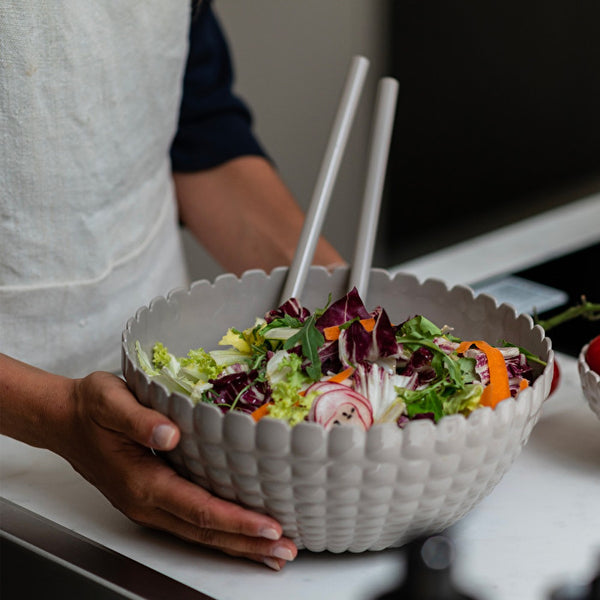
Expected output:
{"points": [[162, 436], [282, 552], [271, 562], [269, 533]]}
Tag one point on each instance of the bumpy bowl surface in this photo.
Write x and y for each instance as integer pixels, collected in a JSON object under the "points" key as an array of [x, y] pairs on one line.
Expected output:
{"points": [[342, 490], [590, 382]]}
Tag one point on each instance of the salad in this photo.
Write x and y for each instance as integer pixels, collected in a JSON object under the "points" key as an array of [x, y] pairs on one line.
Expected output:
{"points": [[343, 365]]}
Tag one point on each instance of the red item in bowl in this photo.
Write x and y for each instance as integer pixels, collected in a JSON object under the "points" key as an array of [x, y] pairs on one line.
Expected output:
{"points": [[592, 355], [555, 378]]}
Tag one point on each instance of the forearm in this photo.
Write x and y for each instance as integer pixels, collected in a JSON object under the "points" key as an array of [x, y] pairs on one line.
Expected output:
{"points": [[245, 216], [33, 403]]}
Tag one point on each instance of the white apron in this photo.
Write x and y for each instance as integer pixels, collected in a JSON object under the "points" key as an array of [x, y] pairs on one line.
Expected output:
{"points": [[89, 100]]}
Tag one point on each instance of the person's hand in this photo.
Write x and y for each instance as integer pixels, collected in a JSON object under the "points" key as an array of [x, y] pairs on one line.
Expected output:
{"points": [[108, 443]]}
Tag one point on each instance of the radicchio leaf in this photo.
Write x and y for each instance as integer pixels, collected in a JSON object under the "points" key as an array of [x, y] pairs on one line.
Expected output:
{"points": [[330, 357], [292, 308], [355, 344], [343, 310], [358, 345], [240, 390], [384, 336]]}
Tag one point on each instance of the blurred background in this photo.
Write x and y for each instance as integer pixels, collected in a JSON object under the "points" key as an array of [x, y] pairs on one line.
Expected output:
{"points": [[498, 112]]}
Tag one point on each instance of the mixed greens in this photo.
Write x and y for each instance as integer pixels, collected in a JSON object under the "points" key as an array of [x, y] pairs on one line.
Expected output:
{"points": [[344, 365]]}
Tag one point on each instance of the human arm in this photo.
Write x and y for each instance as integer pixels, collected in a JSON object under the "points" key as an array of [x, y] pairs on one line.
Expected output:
{"points": [[244, 215], [105, 434]]}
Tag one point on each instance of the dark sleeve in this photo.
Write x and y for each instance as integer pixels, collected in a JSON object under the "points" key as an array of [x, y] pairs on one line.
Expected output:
{"points": [[214, 124]]}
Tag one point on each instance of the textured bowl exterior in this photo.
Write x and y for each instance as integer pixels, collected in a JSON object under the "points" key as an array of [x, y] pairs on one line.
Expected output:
{"points": [[342, 490], [590, 382]]}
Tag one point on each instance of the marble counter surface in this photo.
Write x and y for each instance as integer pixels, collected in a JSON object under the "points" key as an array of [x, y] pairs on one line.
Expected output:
{"points": [[539, 527]]}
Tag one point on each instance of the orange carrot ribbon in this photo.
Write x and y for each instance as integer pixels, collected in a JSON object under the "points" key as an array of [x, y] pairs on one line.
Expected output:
{"points": [[498, 388], [339, 377], [261, 411]]}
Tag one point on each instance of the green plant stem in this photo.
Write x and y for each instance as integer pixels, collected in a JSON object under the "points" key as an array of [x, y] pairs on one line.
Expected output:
{"points": [[587, 310]]}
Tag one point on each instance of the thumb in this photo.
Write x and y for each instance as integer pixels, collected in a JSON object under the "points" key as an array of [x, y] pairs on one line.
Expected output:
{"points": [[145, 426], [165, 436], [118, 409]]}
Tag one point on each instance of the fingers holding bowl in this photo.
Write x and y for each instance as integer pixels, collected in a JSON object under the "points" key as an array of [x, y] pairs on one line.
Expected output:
{"points": [[192, 513]]}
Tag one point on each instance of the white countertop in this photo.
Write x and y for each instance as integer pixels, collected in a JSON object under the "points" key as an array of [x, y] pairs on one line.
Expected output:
{"points": [[540, 526]]}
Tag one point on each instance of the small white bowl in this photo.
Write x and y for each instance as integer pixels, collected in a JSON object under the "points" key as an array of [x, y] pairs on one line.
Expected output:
{"points": [[590, 382], [343, 489]]}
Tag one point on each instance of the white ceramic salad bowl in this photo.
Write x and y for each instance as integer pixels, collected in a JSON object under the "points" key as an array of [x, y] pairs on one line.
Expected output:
{"points": [[590, 382], [343, 489]]}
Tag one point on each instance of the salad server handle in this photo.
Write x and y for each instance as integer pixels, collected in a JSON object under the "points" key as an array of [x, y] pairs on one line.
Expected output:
{"points": [[383, 124], [326, 179]]}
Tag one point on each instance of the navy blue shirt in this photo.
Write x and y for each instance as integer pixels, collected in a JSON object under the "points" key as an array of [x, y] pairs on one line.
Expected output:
{"points": [[214, 124]]}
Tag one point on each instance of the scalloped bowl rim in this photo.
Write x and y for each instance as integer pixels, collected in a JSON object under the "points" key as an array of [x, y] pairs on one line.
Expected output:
{"points": [[188, 289]]}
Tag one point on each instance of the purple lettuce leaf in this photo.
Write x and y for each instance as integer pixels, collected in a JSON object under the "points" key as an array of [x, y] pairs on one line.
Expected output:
{"points": [[240, 390], [291, 308], [419, 368], [354, 344], [384, 335], [330, 357], [343, 310], [357, 345]]}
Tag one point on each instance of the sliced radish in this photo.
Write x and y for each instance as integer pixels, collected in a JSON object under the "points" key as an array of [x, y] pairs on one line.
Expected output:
{"points": [[341, 407], [320, 387], [325, 386]]}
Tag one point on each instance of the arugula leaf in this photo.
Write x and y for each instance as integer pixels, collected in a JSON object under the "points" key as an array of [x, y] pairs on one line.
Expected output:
{"points": [[452, 365], [347, 324], [310, 339], [285, 321], [467, 369], [419, 402], [420, 327]]}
